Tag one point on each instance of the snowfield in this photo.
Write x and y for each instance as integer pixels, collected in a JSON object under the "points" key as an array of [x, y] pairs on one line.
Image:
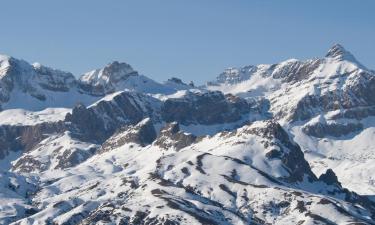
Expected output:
{"points": [[24, 117], [287, 143]]}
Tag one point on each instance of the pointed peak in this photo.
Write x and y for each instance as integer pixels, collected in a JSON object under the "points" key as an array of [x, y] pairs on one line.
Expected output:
{"points": [[337, 51], [118, 70], [117, 64], [4, 57]]}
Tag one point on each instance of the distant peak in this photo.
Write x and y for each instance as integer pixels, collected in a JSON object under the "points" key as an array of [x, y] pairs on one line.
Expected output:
{"points": [[118, 67], [4, 57], [117, 63], [339, 52]]}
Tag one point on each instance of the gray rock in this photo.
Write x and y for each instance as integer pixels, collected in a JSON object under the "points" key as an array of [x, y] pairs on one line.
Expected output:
{"points": [[334, 129], [100, 121], [171, 137], [330, 178], [107, 78], [286, 150], [24, 138], [204, 108], [142, 133]]}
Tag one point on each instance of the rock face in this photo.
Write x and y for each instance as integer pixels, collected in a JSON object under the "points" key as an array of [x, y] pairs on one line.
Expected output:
{"points": [[103, 118], [21, 78], [207, 108], [322, 128], [171, 137], [104, 81], [54, 80], [329, 178], [58, 151], [284, 149], [18, 138], [143, 134]]}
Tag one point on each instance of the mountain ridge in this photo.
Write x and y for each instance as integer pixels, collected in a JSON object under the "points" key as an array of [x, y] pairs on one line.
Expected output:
{"points": [[266, 144]]}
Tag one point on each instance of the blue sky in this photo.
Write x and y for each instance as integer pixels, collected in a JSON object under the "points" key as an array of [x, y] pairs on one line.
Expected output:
{"points": [[193, 40]]}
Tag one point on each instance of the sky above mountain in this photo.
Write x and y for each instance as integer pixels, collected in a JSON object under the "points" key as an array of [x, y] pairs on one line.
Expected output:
{"points": [[193, 40]]}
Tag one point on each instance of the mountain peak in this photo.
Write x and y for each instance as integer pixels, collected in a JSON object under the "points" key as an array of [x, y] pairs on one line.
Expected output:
{"points": [[109, 75], [4, 62], [118, 70], [337, 51]]}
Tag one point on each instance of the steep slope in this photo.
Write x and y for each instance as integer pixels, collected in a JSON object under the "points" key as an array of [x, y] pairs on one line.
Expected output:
{"points": [[36, 87], [299, 90], [266, 144], [70, 138], [120, 76], [326, 103], [253, 175]]}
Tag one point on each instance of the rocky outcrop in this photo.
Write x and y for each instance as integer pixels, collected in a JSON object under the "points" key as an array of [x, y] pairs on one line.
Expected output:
{"points": [[56, 151], [357, 113], [204, 108], [54, 80], [18, 75], [142, 133], [101, 120], [283, 148], [332, 128], [104, 81], [357, 94], [87, 123], [330, 178], [24, 138], [171, 137]]}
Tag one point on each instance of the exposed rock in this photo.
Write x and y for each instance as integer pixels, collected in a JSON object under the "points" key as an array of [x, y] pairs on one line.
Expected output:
{"points": [[323, 129], [54, 80], [206, 108], [104, 81], [329, 177], [357, 113], [18, 75], [87, 122], [56, 151], [101, 120], [176, 80], [337, 51], [24, 138], [284, 149], [143, 134], [171, 137]]}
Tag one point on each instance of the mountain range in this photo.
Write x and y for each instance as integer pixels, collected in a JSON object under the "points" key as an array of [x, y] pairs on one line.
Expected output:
{"points": [[285, 143]]}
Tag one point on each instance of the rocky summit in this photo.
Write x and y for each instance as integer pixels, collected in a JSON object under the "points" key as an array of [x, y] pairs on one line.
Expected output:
{"points": [[285, 143]]}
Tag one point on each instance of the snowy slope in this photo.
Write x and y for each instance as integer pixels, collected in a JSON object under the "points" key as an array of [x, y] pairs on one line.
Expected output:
{"points": [[120, 76], [288, 143], [326, 104], [25, 117], [225, 179], [36, 87], [299, 90]]}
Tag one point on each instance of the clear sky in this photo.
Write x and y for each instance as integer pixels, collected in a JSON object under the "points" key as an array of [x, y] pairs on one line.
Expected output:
{"points": [[191, 39]]}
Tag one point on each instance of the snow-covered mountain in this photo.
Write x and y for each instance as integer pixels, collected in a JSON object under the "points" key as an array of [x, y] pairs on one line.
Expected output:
{"points": [[120, 76], [288, 143], [326, 103], [36, 87]]}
